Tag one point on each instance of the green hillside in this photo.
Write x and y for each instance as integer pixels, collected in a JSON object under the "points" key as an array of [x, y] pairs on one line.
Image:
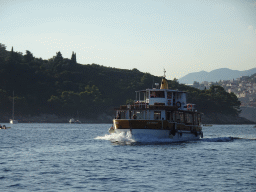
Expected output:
{"points": [[64, 87]]}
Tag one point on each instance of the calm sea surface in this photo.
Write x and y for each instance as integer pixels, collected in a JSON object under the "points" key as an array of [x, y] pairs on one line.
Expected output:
{"points": [[84, 157]]}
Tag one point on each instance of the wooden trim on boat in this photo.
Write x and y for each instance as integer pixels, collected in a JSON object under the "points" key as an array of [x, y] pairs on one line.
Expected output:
{"points": [[153, 124]]}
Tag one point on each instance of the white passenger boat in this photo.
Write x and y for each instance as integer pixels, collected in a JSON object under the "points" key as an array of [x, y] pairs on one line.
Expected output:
{"points": [[160, 112]]}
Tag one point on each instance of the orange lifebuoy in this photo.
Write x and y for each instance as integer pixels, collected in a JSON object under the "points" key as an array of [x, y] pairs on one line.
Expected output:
{"points": [[189, 106]]}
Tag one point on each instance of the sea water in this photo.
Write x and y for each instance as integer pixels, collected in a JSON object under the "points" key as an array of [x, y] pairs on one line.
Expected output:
{"points": [[85, 157]]}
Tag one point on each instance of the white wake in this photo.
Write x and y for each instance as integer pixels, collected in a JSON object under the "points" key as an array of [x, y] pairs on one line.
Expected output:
{"points": [[124, 137]]}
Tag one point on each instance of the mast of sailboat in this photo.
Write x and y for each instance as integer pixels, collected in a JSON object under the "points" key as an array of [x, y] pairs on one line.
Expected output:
{"points": [[13, 105]]}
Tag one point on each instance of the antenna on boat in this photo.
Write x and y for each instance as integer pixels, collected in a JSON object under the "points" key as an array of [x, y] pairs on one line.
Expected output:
{"points": [[164, 73]]}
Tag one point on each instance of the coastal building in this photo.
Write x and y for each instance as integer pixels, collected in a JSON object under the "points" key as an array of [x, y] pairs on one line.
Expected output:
{"points": [[244, 88]]}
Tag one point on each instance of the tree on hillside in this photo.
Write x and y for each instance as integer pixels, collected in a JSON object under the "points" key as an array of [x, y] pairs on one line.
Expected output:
{"points": [[11, 59], [3, 53], [216, 99], [15, 57], [5, 106], [89, 89], [92, 103], [58, 58], [147, 80], [73, 58], [28, 57], [55, 104], [71, 102], [173, 84]]}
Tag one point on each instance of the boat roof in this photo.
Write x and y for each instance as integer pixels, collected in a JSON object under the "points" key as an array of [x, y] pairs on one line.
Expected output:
{"points": [[168, 90]]}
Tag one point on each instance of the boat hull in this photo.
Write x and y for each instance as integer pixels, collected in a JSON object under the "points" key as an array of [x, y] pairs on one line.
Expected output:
{"points": [[13, 121], [6, 128], [163, 134], [158, 129]]}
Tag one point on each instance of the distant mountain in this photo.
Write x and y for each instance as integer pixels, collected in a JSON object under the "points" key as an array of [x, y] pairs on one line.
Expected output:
{"points": [[215, 75]]}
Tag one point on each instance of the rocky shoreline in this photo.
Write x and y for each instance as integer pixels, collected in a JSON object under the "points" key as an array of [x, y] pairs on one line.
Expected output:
{"points": [[49, 118], [216, 118]]}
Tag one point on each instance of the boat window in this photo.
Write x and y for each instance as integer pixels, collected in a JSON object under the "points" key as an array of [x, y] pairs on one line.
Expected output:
{"points": [[134, 116], [123, 114], [174, 97], [199, 118], [120, 115], [139, 114], [195, 119], [188, 118], [181, 117], [169, 95], [147, 95], [157, 115], [169, 116], [177, 116], [157, 94]]}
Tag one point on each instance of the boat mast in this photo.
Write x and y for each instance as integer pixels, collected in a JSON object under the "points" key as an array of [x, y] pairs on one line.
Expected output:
{"points": [[13, 105]]}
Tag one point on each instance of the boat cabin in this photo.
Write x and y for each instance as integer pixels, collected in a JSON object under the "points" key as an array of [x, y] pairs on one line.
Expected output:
{"points": [[160, 104], [164, 97]]}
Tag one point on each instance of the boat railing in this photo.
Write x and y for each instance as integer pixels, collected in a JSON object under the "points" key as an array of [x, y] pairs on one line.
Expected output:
{"points": [[134, 106], [140, 104]]}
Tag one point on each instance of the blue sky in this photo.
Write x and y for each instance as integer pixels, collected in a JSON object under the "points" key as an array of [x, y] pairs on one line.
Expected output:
{"points": [[182, 36]]}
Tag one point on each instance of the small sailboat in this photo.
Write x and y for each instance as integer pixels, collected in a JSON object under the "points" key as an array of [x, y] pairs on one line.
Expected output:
{"points": [[13, 121], [72, 120]]}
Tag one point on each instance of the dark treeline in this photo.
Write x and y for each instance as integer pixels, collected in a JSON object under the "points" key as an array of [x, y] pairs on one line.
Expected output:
{"points": [[63, 87]]}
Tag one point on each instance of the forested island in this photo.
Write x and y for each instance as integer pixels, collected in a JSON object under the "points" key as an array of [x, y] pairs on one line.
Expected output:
{"points": [[64, 88]]}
